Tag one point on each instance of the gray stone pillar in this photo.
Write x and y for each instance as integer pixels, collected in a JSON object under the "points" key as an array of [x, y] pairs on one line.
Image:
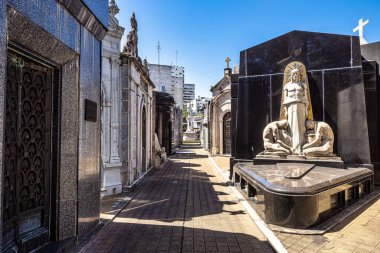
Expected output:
{"points": [[3, 78]]}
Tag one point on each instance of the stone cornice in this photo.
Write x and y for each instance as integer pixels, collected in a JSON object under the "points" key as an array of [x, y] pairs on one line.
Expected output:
{"points": [[141, 69], [117, 33], [221, 93], [114, 29], [84, 15]]}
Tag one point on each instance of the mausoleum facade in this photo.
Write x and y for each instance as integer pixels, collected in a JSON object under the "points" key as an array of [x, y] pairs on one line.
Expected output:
{"points": [[111, 105], [221, 115], [137, 113], [50, 58]]}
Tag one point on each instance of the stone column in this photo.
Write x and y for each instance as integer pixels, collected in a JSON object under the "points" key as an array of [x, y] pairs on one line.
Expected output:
{"points": [[115, 111], [125, 134], [215, 128], [106, 108]]}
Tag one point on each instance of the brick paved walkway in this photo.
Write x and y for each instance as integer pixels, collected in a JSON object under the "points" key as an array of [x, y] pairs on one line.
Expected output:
{"points": [[361, 233], [183, 207], [223, 162]]}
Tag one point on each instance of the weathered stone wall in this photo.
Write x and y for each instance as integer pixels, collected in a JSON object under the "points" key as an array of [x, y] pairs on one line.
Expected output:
{"points": [[136, 96]]}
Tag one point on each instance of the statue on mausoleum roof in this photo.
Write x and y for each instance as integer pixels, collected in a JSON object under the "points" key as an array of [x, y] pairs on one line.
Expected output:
{"points": [[113, 8], [146, 66], [130, 47]]}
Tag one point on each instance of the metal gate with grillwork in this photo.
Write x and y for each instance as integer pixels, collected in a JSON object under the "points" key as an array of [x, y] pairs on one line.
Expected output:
{"points": [[227, 133], [27, 153]]}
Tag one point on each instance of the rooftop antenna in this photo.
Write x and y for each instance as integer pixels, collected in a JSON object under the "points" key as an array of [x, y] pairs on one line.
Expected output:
{"points": [[176, 57], [158, 50]]}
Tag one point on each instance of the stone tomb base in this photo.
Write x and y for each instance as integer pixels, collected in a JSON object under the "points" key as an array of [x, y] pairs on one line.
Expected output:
{"points": [[190, 136], [301, 195]]}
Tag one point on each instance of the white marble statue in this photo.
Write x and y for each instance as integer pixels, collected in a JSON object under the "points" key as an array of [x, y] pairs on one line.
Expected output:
{"points": [[277, 140], [296, 133], [189, 120], [296, 104], [320, 139], [189, 128]]}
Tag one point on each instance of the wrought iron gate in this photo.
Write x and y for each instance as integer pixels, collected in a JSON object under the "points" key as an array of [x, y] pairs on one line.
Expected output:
{"points": [[227, 133], [27, 154]]}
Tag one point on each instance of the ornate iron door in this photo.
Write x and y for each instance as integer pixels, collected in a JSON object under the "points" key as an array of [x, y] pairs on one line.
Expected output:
{"points": [[227, 133], [27, 154]]}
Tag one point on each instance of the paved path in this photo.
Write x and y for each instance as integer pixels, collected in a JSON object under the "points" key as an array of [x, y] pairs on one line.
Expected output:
{"points": [[183, 207], [360, 233]]}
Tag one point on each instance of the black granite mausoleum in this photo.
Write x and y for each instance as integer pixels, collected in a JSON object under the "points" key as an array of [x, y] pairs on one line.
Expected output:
{"points": [[338, 97], [336, 84], [371, 75]]}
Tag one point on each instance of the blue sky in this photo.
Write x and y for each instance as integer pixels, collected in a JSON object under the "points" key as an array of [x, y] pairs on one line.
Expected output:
{"points": [[205, 32]]}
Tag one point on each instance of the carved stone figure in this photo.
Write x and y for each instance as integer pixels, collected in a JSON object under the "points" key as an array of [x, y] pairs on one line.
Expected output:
{"points": [[146, 66], [133, 22], [296, 104], [320, 139], [296, 133], [113, 8], [277, 140], [130, 47]]}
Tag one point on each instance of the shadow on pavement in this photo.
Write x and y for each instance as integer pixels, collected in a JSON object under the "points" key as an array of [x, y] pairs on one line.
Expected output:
{"points": [[130, 237], [188, 156], [157, 219]]}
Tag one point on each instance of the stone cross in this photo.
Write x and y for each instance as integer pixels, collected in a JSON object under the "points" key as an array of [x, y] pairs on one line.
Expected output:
{"points": [[228, 62], [360, 28]]}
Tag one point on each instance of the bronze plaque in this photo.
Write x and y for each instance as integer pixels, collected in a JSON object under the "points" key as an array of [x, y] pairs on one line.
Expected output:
{"points": [[90, 110]]}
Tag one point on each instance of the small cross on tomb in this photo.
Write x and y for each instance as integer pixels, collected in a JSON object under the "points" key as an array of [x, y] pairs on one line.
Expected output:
{"points": [[228, 62]]}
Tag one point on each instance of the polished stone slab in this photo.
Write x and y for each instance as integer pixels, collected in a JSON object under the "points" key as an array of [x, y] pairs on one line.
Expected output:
{"points": [[304, 202], [338, 219], [294, 170], [320, 178], [331, 161]]}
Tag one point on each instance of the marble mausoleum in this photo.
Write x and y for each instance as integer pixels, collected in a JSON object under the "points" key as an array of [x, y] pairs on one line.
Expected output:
{"points": [[220, 114], [111, 105], [137, 113]]}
